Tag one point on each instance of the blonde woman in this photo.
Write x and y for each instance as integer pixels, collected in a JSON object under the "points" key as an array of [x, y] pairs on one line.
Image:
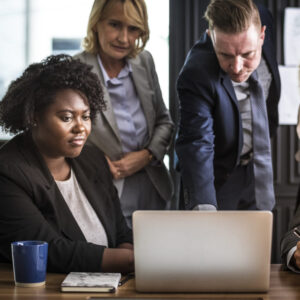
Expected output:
{"points": [[136, 130]]}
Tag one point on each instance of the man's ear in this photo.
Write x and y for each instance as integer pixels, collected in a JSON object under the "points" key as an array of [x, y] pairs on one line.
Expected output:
{"points": [[208, 32], [262, 33]]}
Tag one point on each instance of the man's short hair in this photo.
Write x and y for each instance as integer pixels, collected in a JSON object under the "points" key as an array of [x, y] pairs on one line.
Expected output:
{"points": [[232, 16]]}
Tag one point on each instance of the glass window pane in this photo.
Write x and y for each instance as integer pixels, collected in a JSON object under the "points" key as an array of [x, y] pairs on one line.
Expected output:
{"points": [[30, 30]]}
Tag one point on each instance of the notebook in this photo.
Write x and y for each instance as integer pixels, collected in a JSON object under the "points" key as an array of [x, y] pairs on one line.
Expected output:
{"points": [[91, 282], [202, 251]]}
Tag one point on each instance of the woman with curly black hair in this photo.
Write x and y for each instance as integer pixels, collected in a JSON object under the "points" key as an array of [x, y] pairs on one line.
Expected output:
{"points": [[51, 185]]}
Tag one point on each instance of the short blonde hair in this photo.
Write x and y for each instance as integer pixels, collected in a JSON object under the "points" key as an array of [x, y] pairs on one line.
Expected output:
{"points": [[134, 10]]}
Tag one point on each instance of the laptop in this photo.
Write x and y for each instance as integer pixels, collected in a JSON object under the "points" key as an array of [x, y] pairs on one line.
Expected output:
{"points": [[202, 251]]}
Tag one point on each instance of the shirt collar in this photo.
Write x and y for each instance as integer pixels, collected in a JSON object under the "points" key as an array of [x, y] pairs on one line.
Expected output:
{"points": [[123, 73]]}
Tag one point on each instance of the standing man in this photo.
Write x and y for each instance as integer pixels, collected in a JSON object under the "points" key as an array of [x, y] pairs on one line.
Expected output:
{"points": [[229, 90]]}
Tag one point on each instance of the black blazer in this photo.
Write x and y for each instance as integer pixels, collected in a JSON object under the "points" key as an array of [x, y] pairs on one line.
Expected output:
{"points": [[32, 207], [289, 240]]}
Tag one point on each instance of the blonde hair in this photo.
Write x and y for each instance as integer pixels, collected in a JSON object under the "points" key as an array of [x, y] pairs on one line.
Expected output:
{"points": [[134, 10]]}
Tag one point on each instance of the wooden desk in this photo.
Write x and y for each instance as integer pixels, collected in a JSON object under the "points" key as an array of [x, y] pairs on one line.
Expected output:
{"points": [[284, 286]]}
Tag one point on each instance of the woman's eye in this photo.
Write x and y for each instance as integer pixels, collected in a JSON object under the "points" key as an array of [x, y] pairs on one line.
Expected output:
{"points": [[86, 117], [133, 29], [113, 24], [66, 118]]}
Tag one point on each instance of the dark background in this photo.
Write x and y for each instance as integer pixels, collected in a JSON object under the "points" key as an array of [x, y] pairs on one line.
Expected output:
{"points": [[186, 26]]}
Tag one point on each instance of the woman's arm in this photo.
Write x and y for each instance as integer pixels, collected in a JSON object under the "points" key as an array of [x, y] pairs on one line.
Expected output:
{"points": [[126, 246], [118, 260], [22, 219], [131, 163], [163, 130]]}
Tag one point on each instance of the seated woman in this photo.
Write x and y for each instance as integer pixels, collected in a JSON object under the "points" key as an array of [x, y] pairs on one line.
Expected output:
{"points": [[52, 187]]}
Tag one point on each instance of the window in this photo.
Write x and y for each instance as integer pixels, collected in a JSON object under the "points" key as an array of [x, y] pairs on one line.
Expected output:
{"points": [[30, 30]]}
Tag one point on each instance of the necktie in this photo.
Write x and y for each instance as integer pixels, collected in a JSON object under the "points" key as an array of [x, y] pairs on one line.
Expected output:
{"points": [[262, 159]]}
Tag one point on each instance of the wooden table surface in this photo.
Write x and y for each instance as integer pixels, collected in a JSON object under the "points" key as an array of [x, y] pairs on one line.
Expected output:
{"points": [[284, 285]]}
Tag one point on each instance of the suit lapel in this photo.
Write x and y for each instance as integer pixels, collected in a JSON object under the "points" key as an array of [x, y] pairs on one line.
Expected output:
{"points": [[227, 84], [108, 114], [67, 223], [144, 91]]}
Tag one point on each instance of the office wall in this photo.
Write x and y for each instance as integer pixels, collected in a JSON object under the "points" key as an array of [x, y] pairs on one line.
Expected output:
{"points": [[186, 26]]}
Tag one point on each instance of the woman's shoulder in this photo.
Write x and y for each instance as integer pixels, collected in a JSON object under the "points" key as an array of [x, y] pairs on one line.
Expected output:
{"points": [[9, 152], [16, 158], [86, 57], [143, 58], [145, 54]]}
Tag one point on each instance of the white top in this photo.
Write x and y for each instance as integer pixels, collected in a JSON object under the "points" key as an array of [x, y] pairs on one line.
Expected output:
{"points": [[82, 211]]}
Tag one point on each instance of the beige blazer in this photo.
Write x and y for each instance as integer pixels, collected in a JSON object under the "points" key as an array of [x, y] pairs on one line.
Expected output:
{"points": [[105, 133]]}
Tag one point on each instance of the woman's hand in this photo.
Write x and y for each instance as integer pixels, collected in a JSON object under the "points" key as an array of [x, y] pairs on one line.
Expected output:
{"points": [[113, 170], [131, 163], [118, 260]]}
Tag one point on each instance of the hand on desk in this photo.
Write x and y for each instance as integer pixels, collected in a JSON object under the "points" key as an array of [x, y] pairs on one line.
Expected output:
{"points": [[118, 259]]}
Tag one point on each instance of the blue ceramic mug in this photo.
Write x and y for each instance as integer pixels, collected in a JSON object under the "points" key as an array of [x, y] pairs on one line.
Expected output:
{"points": [[29, 262]]}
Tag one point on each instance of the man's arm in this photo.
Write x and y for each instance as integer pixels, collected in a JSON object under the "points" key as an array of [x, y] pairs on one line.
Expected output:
{"points": [[290, 245], [195, 143]]}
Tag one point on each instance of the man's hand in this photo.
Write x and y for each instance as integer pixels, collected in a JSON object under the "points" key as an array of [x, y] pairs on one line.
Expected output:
{"points": [[297, 255]]}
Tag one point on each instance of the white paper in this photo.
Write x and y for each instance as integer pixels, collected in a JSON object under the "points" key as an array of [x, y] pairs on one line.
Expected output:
{"points": [[292, 36], [290, 95]]}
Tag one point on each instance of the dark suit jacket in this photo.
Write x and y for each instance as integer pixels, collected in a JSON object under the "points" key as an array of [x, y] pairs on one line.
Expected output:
{"points": [[210, 130], [32, 207], [290, 240]]}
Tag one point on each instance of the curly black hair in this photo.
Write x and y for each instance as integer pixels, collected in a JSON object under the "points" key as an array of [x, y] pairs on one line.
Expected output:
{"points": [[36, 89]]}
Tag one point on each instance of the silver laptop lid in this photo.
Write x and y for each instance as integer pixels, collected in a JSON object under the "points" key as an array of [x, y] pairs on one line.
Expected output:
{"points": [[202, 251]]}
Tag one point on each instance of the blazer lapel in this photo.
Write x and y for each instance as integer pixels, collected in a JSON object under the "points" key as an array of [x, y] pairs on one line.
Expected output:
{"points": [[67, 223], [108, 114], [144, 91], [226, 82]]}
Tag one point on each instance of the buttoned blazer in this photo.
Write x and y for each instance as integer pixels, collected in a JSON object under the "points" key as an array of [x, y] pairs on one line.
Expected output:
{"points": [[32, 207], [105, 134], [210, 131]]}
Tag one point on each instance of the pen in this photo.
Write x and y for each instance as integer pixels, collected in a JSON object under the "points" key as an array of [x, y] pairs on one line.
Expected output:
{"points": [[296, 232], [126, 278]]}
